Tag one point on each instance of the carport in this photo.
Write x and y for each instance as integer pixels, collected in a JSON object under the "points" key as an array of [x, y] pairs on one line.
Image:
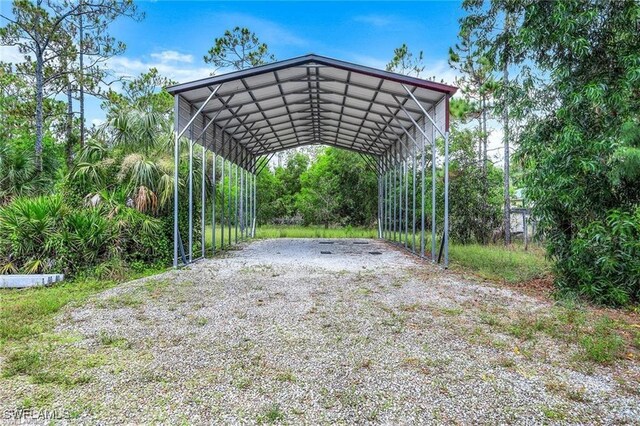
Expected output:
{"points": [[245, 117]]}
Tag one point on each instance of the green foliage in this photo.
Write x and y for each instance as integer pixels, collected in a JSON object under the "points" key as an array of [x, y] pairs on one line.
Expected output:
{"points": [[575, 95], [44, 234], [238, 49], [404, 62], [339, 187], [581, 158], [603, 263], [604, 345], [475, 193], [19, 175]]}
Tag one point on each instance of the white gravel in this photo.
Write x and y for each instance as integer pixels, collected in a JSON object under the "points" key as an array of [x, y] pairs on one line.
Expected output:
{"points": [[278, 332]]}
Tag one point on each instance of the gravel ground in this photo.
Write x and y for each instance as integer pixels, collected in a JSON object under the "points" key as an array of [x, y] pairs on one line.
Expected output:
{"points": [[278, 332]]}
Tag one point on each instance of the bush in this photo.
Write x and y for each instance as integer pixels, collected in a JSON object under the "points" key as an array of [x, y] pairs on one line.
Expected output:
{"points": [[604, 260], [44, 234]]}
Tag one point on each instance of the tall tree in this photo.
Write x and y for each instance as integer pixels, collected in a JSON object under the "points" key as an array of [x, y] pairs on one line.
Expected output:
{"points": [[575, 95], [38, 30], [478, 86], [492, 24], [405, 62], [505, 60], [238, 49], [582, 147]]}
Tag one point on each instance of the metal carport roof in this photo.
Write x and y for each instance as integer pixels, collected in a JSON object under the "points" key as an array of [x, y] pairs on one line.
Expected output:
{"points": [[308, 100]]}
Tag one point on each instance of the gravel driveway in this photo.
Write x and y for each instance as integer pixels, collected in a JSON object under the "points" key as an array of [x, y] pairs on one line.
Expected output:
{"points": [[277, 332]]}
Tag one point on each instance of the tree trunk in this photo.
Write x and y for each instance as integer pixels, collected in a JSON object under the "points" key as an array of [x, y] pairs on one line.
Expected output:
{"points": [[69, 126], [505, 83], [39, 110], [81, 77], [485, 179]]}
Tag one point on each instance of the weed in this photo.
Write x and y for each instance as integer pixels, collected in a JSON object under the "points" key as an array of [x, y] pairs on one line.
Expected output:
{"points": [[506, 362], [107, 339], [242, 383], [451, 312], [554, 413], [489, 319], [498, 263], [200, 321], [22, 362], [272, 414], [604, 345], [125, 300], [285, 376]]}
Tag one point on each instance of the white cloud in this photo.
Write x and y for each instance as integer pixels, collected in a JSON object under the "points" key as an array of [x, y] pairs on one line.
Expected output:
{"points": [[374, 20], [172, 56], [124, 66], [11, 54]]}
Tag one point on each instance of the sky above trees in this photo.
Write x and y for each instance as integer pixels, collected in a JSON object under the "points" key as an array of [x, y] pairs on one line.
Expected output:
{"points": [[174, 36]]}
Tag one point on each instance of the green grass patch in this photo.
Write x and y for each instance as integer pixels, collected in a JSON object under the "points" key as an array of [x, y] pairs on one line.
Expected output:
{"points": [[599, 338], [107, 339], [29, 312], [499, 263], [273, 231], [288, 231], [557, 413], [604, 345], [272, 414]]}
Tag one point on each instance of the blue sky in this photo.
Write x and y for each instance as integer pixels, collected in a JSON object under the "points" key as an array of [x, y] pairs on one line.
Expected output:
{"points": [[174, 36]]}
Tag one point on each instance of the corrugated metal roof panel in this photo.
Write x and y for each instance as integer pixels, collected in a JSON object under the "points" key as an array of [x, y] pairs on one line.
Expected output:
{"points": [[311, 99]]}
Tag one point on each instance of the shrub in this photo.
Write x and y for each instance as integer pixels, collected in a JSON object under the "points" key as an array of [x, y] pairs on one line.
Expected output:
{"points": [[604, 260], [44, 234]]}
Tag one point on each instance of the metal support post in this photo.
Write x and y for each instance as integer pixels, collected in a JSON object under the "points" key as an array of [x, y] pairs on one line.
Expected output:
{"points": [[229, 199], [255, 201], [413, 190], [190, 195], [386, 204], [176, 166], [213, 204], [433, 194], [241, 204], [400, 196], [406, 202], [222, 203], [423, 154], [446, 200], [203, 194], [237, 210], [395, 195]]}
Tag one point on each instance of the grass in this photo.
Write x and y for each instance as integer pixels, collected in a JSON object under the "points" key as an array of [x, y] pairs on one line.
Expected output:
{"points": [[498, 263], [30, 346], [599, 338], [554, 413], [272, 414], [287, 231], [273, 231], [28, 312], [603, 346]]}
